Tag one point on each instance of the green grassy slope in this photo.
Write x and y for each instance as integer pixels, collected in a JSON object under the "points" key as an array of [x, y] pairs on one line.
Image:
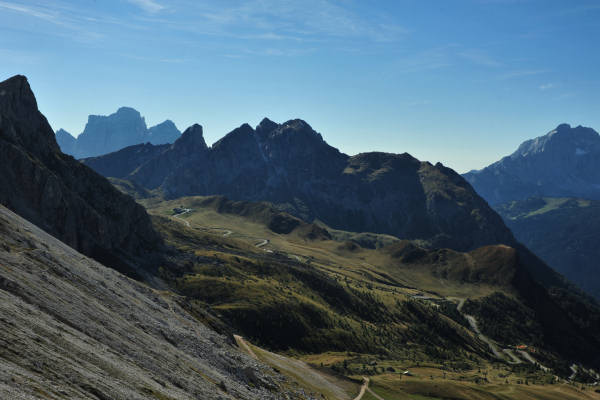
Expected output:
{"points": [[303, 291]]}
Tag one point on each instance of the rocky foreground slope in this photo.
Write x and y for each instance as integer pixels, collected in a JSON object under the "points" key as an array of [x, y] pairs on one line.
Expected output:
{"points": [[72, 328]]}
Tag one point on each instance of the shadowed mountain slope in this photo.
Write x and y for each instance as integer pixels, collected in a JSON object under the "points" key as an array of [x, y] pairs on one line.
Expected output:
{"points": [[564, 232], [62, 196], [292, 166]]}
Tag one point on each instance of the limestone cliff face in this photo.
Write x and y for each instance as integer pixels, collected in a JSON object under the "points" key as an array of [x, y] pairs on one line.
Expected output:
{"points": [[61, 195], [106, 134], [292, 166]]}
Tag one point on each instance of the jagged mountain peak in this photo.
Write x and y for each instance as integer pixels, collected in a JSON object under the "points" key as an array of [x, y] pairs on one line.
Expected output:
{"points": [[105, 134], [266, 125], [297, 126], [296, 134], [376, 158], [66, 141], [122, 114], [163, 133], [16, 90], [563, 126], [565, 162], [191, 139], [193, 131], [21, 123], [165, 123], [563, 139], [239, 137], [125, 110], [61, 131]]}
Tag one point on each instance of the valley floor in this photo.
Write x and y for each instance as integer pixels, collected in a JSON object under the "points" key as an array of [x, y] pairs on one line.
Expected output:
{"points": [[505, 372]]}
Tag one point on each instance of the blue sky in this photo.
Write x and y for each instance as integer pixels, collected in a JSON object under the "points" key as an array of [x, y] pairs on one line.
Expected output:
{"points": [[461, 82]]}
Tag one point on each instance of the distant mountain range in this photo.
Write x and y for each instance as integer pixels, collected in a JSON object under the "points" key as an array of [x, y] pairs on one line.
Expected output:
{"points": [[105, 134], [547, 191], [563, 163], [292, 166]]}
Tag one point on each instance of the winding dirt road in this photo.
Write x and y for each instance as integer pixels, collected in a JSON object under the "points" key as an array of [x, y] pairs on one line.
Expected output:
{"points": [[493, 348], [185, 211], [482, 337], [532, 360], [514, 359], [262, 243], [363, 388]]}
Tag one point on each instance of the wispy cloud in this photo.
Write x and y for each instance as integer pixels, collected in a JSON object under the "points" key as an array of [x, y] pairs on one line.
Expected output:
{"points": [[547, 86], [276, 20], [150, 6], [30, 11], [57, 14]]}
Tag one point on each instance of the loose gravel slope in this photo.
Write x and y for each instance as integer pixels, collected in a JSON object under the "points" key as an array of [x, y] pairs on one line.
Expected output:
{"points": [[72, 328]]}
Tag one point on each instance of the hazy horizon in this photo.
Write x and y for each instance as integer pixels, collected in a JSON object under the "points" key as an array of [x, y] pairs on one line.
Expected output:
{"points": [[463, 83]]}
